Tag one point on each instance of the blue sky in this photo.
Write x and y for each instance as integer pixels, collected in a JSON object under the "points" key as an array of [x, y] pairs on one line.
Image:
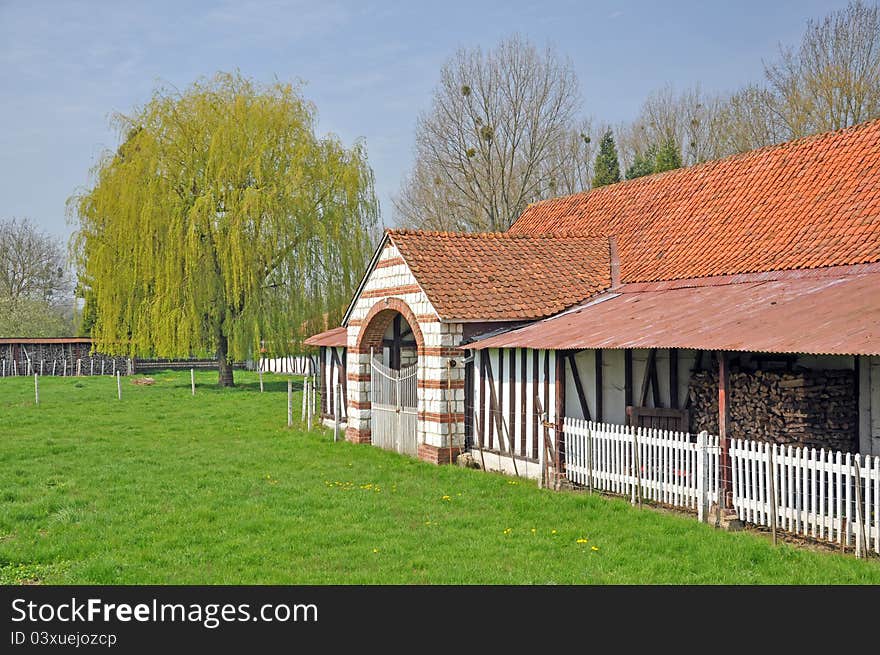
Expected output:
{"points": [[370, 67]]}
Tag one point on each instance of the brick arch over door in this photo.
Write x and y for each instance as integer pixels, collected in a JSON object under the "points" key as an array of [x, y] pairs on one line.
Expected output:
{"points": [[370, 335], [379, 318]]}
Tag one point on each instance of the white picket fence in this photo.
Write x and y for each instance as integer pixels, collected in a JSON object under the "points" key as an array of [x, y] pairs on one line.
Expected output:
{"points": [[824, 495], [292, 364], [666, 467]]}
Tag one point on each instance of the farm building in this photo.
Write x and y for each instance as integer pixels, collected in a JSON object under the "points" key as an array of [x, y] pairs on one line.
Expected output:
{"points": [[740, 296], [331, 347], [64, 356], [56, 356]]}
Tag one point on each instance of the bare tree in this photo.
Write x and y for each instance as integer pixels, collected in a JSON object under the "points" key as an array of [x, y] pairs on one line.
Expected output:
{"points": [[498, 136], [569, 161], [35, 287], [429, 201], [832, 80], [32, 263], [747, 120], [688, 119]]}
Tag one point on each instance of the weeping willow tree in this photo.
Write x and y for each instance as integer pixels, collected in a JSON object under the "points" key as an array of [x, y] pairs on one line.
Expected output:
{"points": [[221, 225]]}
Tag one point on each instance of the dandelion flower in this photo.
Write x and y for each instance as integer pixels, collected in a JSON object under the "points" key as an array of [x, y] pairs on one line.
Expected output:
{"points": [[534, 531], [552, 531], [375, 550], [594, 547], [583, 540]]}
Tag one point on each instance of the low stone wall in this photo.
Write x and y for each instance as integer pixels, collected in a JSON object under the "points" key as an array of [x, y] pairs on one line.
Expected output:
{"points": [[809, 408]]}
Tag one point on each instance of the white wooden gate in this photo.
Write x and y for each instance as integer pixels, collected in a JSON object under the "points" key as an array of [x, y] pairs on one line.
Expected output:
{"points": [[394, 407]]}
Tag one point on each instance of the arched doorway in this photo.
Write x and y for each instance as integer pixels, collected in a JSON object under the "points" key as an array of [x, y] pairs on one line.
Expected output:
{"points": [[392, 341]]}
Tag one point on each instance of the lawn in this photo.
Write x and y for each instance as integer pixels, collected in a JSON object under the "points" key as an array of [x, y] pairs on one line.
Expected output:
{"points": [[162, 487]]}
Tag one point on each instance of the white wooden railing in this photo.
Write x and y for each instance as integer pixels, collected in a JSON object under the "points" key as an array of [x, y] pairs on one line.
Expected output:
{"points": [[667, 467], [824, 495], [292, 364]]}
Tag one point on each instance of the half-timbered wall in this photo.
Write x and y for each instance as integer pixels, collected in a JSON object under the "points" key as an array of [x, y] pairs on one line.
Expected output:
{"points": [[333, 360], [512, 387], [611, 377]]}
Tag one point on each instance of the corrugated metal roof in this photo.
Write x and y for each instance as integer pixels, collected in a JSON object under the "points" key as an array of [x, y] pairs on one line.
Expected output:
{"points": [[331, 338], [836, 312]]}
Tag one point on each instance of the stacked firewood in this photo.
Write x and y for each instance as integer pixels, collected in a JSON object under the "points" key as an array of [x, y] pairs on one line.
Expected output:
{"points": [[808, 408]]}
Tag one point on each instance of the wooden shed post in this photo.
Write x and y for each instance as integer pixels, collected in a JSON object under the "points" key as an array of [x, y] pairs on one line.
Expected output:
{"points": [[559, 447], [326, 398], [703, 476], [723, 420]]}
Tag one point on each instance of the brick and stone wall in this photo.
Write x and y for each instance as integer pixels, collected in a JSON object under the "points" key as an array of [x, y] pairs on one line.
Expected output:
{"points": [[807, 408], [392, 287]]}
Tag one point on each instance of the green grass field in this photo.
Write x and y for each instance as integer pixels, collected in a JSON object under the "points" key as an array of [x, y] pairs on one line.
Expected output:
{"points": [[164, 488]]}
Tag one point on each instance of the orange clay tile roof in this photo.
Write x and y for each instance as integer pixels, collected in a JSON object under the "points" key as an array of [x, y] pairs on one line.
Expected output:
{"points": [[808, 203], [498, 277]]}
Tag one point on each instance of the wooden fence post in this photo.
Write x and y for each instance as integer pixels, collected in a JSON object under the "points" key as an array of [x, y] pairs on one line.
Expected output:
{"points": [[590, 457], [771, 478], [861, 541], [36, 389], [542, 458], [337, 412], [192, 380], [703, 476], [637, 464], [309, 408], [118, 386], [289, 403], [305, 401], [314, 388], [724, 501]]}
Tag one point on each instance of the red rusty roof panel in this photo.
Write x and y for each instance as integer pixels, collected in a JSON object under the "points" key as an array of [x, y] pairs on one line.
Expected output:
{"points": [[835, 312], [335, 338]]}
